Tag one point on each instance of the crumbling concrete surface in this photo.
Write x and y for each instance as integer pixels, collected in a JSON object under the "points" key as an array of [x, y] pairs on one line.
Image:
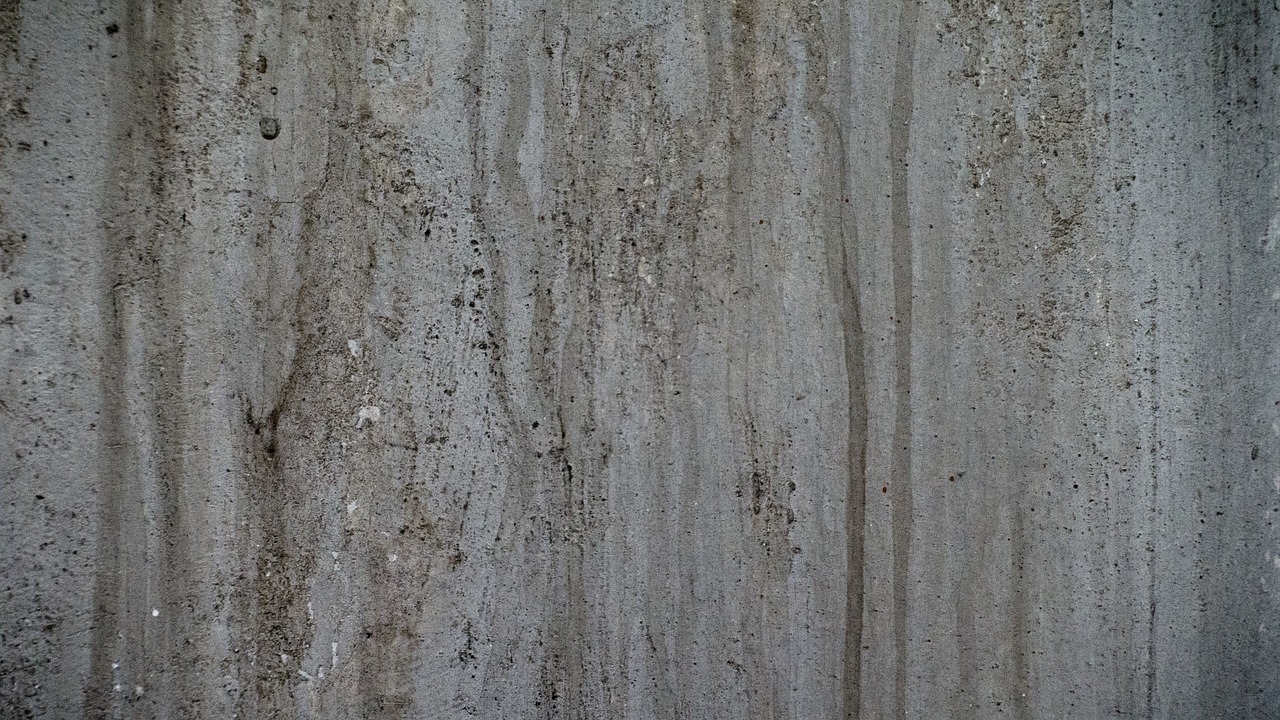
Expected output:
{"points": [[562, 359]]}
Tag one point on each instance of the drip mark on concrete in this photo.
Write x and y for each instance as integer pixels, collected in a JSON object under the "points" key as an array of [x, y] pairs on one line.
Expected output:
{"points": [[903, 263]]}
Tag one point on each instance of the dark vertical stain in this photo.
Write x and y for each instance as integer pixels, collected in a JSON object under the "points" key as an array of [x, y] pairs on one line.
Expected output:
{"points": [[829, 105], [1151, 592], [279, 587], [964, 695], [131, 259], [1153, 516], [743, 43], [514, 216], [855, 502], [538, 478], [1239, 673], [114, 479], [477, 13], [900, 474], [1018, 616], [10, 28], [527, 380], [368, 150]]}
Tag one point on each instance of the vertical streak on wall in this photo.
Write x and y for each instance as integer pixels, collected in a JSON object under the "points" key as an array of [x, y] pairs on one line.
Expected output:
{"points": [[1237, 654], [828, 80], [826, 90], [855, 501], [900, 475], [117, 451], [744, 85], [846, 283], [108, 591], [136, 499]]}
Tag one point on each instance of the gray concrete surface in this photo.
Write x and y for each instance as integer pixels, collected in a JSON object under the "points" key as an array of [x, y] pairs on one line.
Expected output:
{"points": [[540, 358]]}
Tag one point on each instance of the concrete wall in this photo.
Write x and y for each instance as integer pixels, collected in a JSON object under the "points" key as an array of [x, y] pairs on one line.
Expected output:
{"points": [[548, 358]]}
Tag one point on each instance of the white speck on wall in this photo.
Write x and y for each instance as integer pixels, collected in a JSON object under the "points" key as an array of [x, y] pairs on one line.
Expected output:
{"points": [[137, 690], [354, 347], [155, 612], [334, 553], [644, 271], [372, 413], [117, 688], [284, 657], [334, 648], [351, 507], [392, 557], [311, 611], [305, 675], [115, 666]]}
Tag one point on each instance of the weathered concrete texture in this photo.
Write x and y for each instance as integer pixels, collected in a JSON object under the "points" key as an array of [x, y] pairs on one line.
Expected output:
{"points": [[539, 358]]}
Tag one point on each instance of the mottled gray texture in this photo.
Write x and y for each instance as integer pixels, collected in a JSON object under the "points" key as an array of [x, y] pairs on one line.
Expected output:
{"points": [[541, 358]]}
